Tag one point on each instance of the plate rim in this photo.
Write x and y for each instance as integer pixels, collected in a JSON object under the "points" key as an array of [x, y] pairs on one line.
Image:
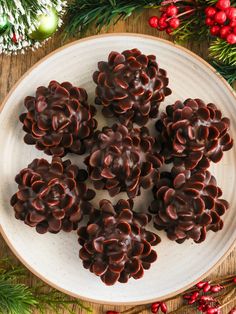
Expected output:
{"points": [[4, 235]]}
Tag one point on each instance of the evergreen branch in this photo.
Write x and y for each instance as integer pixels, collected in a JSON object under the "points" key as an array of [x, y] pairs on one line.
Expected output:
{"points": [[212, 2], [57, 301], [227, 71], [221, 51], [84, 13], [15, 298], [18, 298]]}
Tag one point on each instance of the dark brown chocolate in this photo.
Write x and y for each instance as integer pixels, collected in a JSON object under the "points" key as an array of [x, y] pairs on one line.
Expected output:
{"points": [[123, 160], [52, 197], [192, 133], [115, 244], [188, 204], [130, 86], [58, 119]]}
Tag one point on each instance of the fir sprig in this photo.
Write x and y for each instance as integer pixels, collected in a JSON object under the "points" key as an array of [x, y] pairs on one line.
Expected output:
{"points": [[18, 298], [15, 298], [227, 71], [83, 13], [223, 52]]}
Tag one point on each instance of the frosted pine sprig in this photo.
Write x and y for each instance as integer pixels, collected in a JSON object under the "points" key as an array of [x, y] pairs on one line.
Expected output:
{"points": [[22, 15]]}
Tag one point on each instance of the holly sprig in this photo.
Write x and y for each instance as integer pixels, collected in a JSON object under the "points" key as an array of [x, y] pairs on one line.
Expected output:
{"points": [[16, 297]]}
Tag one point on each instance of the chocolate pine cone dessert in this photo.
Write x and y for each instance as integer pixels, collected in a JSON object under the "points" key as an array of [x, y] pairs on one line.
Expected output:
{"points": [[192, 133], [115, 244], [52, 197], [58, 119], [187, 205], [123, 160], [130, 86]]}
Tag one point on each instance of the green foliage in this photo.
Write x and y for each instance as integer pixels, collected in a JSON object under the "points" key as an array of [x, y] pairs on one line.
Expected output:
{"points": [[83, 13], [15, 298], [223, 52], [18, 298], [227, 71], [193, 28]]}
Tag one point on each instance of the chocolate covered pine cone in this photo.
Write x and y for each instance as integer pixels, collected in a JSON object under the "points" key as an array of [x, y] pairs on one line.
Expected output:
{"points": [[123, 160], [192, 134], [188, 204], [58, 119], [115, 244], [130, 86], [52, 197]]}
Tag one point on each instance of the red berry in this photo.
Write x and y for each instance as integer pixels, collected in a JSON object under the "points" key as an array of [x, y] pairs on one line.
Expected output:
{"points": [[212, 310], [112, 312], [14, 39], [195, 295], [206, 287], [216, 289], [231, 13], [210, 11], [231, 39], [233, 311], [162, 23], [224, 32], [169, 30], [188, 8], [206, 298], [234, 30], [187, 296], [153, 21], [174, 23], [209, 21], [234, 280], [171, 10], [201, 284], [163, 307], [232, 23], [215, 29], [220, 17], [155, 307], [223, 4]]}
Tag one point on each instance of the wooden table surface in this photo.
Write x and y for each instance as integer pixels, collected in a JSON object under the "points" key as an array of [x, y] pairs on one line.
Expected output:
{"points": [[13, 67]]}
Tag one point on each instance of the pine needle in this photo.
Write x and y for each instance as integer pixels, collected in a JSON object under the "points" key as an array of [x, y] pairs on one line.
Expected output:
{"points": [[227, 71], [223, 52], [15, 298], [82, 14], [18, 298]]}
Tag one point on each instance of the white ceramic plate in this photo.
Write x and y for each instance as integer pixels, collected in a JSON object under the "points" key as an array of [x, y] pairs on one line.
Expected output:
{"points": [[54, 258]]}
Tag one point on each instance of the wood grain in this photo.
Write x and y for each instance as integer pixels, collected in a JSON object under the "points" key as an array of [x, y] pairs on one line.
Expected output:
{"points": [[13, 67]]}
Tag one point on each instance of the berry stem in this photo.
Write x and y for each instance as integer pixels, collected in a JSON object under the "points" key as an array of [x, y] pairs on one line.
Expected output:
{"points": [[166, 2], [135, 309], [230, 295], [182, 14]]}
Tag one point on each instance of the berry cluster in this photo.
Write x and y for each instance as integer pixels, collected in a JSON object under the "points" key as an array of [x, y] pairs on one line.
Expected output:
{"points": [[205, 295], [221, 19], [168, 20], [202, 297], [155, 307]]}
